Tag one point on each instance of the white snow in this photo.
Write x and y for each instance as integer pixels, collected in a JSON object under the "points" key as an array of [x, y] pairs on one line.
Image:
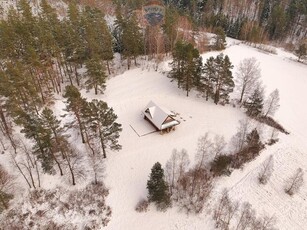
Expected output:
{"points": [[128, 170]]}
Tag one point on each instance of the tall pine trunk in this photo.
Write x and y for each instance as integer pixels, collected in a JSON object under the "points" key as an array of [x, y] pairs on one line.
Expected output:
{"points": [[4, 122], [108, 67]]}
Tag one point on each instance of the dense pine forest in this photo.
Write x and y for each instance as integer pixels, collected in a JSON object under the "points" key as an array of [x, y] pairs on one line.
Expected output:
{"points": [[48, 55]]}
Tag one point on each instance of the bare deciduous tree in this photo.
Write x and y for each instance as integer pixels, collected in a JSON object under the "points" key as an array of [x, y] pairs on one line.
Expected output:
{"points": [[225, 211], [72, 161], [264, 223], [294, 183], [175, 167], [219, 145], [248, 75], [27, 164], [204, 151], [247, 217], [6, 186], [271, 105], [266, 170], [238, 141], [228, 215], [97, 164], [193, 190]]}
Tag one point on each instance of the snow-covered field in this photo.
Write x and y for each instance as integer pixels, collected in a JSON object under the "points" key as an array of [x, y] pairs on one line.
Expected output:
{"points": [[127, 171]]}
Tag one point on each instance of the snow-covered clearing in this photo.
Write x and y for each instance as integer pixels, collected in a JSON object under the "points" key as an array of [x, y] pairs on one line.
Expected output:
{"points": [[127, 171]]}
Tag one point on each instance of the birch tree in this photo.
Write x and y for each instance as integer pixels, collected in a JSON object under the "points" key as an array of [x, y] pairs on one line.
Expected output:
{"points": [[247, 76], [266, 170], [175, 167], [294, 183], [271, 105]]}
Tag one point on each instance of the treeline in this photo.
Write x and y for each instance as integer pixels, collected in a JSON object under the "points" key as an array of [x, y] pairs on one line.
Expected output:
{"points": [[252, 20], [41, 57], [214, 80], [190, 186]]}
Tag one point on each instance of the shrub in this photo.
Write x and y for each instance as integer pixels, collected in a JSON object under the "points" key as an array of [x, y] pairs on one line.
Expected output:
{"points": [[142, 206], [220, 165]]}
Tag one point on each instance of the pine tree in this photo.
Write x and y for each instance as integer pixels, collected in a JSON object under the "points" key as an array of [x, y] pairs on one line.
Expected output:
{"points": [[219, 78], [42, 148], [265, 13], [128, 36], [100, 120], [186, 66], [220, 39], [254, 144], [97, 35], [117, 32], [157, 187], [75, 104], [96, 75], [254, 104], [132, 40], [209, 73], [50, 122], [277, 23]]}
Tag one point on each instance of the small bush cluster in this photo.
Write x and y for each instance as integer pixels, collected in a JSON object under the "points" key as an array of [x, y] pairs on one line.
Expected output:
{"points": [[193, 190], [142, 206], [223, 164], [38, 211]]}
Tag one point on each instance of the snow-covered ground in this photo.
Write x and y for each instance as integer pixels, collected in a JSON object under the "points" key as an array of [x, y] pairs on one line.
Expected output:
{"points": [[127, 171]]}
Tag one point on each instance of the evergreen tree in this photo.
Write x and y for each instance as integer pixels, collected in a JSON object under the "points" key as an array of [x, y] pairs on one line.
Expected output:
{"points": [[277, 23], [157, 187], [254, 104], [75, 104], [74, 43], [100, 120], [128, 36], [220, 39], [97, 35], [254, 144], [50, 122], [265, 13], [132, 40], [117, 32], [42, 148], [219, 78], [301, 52], [96, 75], [209, 73], [186, 66]]}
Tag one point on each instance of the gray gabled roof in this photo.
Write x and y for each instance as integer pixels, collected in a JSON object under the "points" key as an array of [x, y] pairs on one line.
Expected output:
{"points": [[158, 116]]}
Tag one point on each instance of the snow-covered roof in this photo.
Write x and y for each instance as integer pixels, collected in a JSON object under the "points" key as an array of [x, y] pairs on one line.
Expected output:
{"points": [[158, 116]]}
